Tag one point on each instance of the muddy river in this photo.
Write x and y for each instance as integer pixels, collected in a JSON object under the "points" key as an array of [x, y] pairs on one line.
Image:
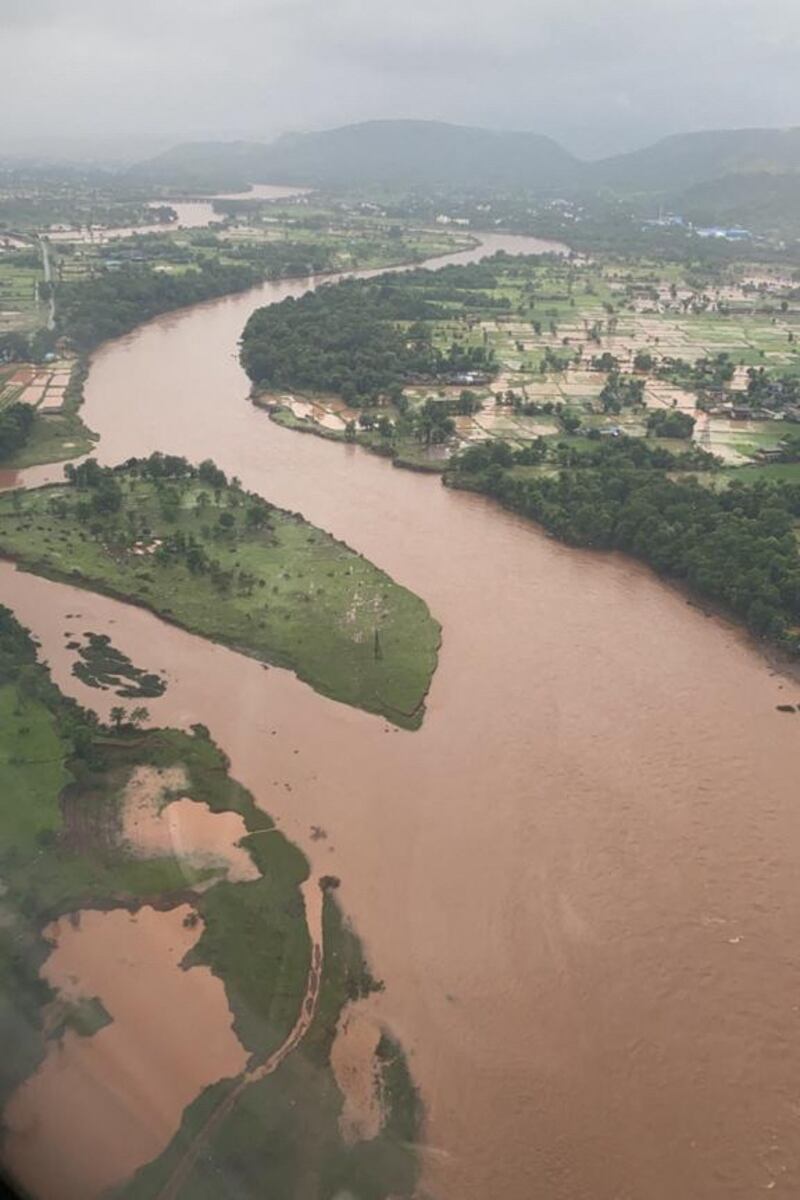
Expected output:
{"points": [[191, 214], [580, 880]]}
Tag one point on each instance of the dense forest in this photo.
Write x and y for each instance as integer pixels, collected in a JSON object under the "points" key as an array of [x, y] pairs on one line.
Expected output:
{"points": [[737, 546], [90, 311], [365, 339]]}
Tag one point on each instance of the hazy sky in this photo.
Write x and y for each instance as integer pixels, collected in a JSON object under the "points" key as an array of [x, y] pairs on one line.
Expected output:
{"points": [[600, 75]]}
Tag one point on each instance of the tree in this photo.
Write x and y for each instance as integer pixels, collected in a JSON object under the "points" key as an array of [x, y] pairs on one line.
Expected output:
{"points": [[118, 715], [139, 716], [670, 423]]}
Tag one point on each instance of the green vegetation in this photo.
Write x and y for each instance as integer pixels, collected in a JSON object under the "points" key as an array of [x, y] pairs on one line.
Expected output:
{"points": [[282, 1137], [103, 666], [363, 340], [707, 353], [51, 437], [62, 783], [224, 563], [16, 423], [21, 296], [670, 423]]}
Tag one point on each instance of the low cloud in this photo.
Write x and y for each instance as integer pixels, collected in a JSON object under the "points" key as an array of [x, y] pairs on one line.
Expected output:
{"points": [[598, 74]]}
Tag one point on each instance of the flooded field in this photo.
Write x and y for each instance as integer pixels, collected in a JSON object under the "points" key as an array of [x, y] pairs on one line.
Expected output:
{"points": [[101, 1106]]}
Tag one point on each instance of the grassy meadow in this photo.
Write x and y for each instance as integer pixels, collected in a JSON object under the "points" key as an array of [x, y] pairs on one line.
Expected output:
{"points": [[236, 570]]}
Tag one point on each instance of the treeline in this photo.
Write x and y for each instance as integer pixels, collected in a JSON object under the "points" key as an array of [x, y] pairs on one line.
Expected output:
{"points": [[16, 424], [16, 346], [275, 260], [103, 502], [631, 453], [366, 339], [90, 311], [106, 496], [284, 260], [736, 546]]}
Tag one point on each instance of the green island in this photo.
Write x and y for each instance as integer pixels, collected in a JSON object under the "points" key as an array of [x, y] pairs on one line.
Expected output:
{"points": [[201, 552], [63, 780], [101, 665], [622, 403]]}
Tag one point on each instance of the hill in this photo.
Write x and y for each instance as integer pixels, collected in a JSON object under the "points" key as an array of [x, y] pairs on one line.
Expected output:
{"points": [[763, 201], [204, 166], [407, 153], [688, 159], [744, 176]]}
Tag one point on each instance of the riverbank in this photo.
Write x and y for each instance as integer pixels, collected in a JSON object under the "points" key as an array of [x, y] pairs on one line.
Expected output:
{"points": [[385, 363], [99, 308], [736, 549], [408, 454], [58, 436], [223, 563]]}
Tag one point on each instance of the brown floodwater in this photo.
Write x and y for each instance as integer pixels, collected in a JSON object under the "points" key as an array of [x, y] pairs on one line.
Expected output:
{"points": [[101, 1106], [356, 1067], [191, 214], [157, 824], [580, 880]]}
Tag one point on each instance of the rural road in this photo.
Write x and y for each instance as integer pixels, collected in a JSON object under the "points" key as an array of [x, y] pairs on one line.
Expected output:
{"points": [[259, 1071]]}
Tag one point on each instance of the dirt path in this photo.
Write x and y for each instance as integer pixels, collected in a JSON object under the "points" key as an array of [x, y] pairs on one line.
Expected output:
{"points": [[260, 1070]]}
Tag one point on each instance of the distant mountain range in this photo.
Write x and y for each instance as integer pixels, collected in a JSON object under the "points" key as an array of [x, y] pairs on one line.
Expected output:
{"points": [[433, 154]]}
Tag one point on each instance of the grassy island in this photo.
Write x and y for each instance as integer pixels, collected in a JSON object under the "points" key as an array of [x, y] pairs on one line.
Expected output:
{"points": [[200, 551], [64, 784]]}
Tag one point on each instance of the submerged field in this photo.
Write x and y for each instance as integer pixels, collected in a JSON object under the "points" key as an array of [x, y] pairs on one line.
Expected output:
{"points": [[227, 565]]}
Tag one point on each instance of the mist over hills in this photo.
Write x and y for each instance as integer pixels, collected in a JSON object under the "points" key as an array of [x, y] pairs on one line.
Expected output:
{"points": [[378, 153], [432, 154], [686, 160]]}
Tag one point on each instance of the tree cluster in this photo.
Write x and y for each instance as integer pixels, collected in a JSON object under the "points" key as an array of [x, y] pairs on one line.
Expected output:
{"points": [[670, 423], [772, 391], [621, 391], [16, 425], [362, 339]]}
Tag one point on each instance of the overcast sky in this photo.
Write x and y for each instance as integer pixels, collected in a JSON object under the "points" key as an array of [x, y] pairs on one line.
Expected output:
{"points": [[600, 75]]}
